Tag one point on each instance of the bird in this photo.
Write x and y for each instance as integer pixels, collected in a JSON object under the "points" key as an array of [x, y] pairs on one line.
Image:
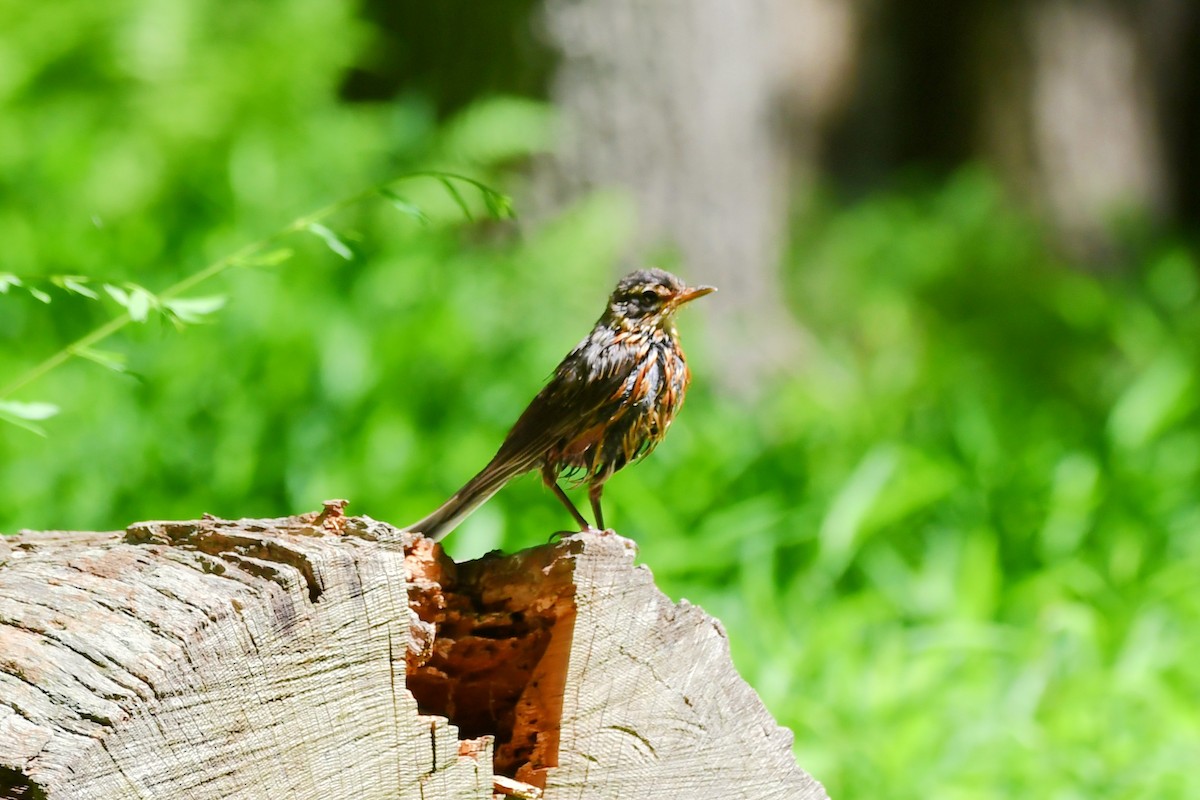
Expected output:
{"points": [[608, 404]]}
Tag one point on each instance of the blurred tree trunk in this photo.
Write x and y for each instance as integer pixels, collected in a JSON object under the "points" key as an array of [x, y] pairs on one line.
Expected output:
{"points": [[1088, 108], [713, 115], [682, 103], [1096, 136], [1085, 109]]}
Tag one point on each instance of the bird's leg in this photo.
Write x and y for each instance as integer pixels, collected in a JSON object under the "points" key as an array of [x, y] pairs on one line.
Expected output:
{"points": [[594, 492], [551, 480]]}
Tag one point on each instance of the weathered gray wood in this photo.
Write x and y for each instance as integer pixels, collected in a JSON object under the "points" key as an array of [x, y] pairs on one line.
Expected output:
{"points": [[274, 658], [215, 660], [654, 707]]}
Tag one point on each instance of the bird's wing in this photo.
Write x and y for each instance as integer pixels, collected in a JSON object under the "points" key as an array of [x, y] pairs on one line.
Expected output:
{"points": [[586, 390]]}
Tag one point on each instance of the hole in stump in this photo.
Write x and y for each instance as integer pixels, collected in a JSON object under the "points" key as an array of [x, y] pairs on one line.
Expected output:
{"points": [[492, 653]]}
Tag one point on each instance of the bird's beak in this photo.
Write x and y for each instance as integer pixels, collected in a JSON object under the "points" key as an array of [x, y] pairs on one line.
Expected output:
{"points": [[688, 295]]}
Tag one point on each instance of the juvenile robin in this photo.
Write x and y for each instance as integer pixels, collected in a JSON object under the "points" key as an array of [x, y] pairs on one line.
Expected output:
{"points": [[608, 403]]}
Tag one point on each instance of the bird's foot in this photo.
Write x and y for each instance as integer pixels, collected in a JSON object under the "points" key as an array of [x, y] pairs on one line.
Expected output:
{"points": [[557, 535]]}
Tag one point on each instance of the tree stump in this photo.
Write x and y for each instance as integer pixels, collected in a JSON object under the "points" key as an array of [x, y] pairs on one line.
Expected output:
{"points": [[330, 656]]}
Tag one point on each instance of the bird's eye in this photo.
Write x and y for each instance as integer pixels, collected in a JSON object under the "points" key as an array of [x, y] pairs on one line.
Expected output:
{"points": [[649, 297]]}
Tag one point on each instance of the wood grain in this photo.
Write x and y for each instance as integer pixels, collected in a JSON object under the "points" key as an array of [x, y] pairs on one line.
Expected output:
{"points": [[272, 658]]}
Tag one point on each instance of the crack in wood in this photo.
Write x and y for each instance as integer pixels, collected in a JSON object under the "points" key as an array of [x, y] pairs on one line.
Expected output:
{"points": [[120, 770], [113, 669], [433, 765], [633, 733], [216, 538]]}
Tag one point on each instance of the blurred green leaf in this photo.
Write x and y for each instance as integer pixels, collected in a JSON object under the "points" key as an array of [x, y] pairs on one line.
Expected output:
{"points": [[105, 358], [405, 207], [25, 415], [1163, 392], [135, 299], [117, 293], [191, 310], [28, 411], [456, 195], [852, 504], [920, 482], [1072, 503], [76, 284], [332, 240], [499, 206]]}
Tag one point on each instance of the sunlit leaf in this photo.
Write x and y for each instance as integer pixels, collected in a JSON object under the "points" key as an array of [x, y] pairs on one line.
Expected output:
{"points": [[75, 285], [38, 294], [25, 415], [1163, 392], [137, 300], [29, 411], [118, 294], [105, 358], [140, 303], [332, 240], [7, 279], [194, 309], [405, 207]]}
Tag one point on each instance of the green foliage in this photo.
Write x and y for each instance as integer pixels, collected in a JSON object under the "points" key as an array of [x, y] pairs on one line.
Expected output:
{"points": [[955, 548], [958, 547]]}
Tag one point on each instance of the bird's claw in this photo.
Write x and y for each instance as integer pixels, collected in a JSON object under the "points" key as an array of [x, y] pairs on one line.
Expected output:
{"points": [[558, 535]]}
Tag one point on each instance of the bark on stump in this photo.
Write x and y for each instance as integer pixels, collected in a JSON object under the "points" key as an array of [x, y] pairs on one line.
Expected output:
{"points": [[330, 656]]}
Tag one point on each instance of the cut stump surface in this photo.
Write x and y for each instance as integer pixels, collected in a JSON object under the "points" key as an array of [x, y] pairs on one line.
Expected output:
{"points": [[329, 656]]}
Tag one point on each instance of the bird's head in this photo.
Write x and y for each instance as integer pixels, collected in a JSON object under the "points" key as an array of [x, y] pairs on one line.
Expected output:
{"points": [[650, 298]]}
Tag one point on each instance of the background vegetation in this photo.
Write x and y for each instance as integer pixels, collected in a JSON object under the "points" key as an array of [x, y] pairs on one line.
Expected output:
{"points": [[955, 548]]}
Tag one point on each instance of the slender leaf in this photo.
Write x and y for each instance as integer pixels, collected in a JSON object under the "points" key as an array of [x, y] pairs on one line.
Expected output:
{"points": [[192, 310], [137, 300], [7, 279], [26, 415], [118, 294], [452, 190], [38, 294], [332, 240], [499, 205], [140, 303], [75, 285], [20, 423], [404, 206], [28, 411], [105, 358]]}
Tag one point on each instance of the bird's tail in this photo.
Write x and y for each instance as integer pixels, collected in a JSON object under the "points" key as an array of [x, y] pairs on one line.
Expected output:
{"points": [[470, 497]]}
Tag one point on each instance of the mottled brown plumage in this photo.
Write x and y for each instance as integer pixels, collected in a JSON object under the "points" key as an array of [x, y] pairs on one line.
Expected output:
{"points": [[608, 403]]}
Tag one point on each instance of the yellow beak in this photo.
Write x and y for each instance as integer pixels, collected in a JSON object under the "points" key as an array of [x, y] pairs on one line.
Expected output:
{"points": [[688, 295]]}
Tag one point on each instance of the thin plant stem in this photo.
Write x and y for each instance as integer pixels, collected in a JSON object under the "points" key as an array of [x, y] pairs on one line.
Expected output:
{"points": [[238, 258]]}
